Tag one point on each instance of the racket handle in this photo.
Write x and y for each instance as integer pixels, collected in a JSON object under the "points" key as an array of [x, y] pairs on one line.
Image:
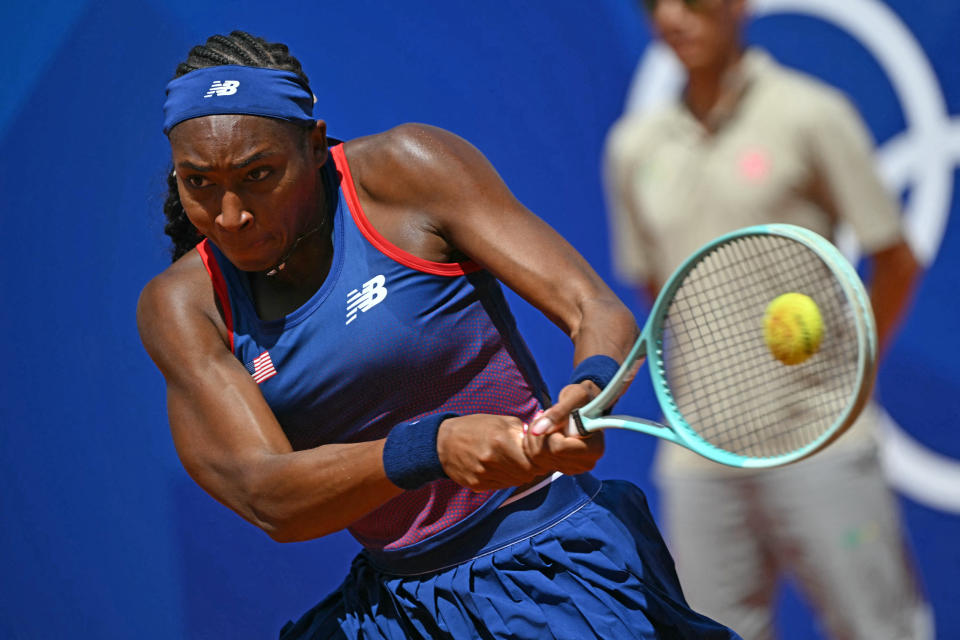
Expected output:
{"points": [[575, 425]]}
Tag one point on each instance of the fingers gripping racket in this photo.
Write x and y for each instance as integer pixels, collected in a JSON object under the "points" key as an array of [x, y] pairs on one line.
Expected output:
{"points": [[722, 392]]}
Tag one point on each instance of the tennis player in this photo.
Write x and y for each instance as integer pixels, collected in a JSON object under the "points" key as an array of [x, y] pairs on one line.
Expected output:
{"points": [[338, 354]]}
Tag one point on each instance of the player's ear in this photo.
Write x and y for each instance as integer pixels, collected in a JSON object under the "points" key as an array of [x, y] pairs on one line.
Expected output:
{"points": [[318, 142]]}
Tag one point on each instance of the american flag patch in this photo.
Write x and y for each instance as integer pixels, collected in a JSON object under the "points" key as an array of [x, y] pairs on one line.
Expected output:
{"points": [[261, 367]]}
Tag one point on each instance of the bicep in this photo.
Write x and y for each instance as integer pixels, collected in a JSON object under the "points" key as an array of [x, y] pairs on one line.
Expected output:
{"points": [[220, 422]]}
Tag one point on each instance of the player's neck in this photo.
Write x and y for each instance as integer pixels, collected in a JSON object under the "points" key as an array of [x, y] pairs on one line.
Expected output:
{"points": [[710, 86], [284, 288], [280, 294]]}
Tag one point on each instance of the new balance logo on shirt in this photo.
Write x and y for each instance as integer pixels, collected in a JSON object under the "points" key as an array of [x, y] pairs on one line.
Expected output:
{"points": [[225, 88], [372, 293]]}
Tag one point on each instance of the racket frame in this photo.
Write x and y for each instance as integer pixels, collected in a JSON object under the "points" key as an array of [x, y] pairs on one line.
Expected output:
{"points": [[590, 417]]}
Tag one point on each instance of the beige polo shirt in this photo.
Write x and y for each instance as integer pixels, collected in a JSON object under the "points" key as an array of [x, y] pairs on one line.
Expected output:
{"points": [[781, 147]]}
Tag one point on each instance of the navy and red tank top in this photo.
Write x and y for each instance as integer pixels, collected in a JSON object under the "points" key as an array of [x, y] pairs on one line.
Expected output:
{"points": [[388, 337]]}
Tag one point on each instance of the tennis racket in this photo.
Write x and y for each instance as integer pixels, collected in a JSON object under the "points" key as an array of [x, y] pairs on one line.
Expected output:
{"points": [[722, 392]]}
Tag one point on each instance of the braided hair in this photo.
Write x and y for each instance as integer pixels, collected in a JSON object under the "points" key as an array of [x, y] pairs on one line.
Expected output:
{"points": [[239, 48]]}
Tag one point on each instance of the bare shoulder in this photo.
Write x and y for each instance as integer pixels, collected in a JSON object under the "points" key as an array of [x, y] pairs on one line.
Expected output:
{"points": [[178, 286], [410, 143], [414, 161], [178, 308]]}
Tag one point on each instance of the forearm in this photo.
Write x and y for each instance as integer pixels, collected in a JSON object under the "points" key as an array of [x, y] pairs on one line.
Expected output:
{"points": [[605, 327], [302, 495]]}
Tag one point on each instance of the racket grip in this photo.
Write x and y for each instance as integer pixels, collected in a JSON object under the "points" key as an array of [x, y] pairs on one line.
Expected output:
{"points": [[575, 425]]}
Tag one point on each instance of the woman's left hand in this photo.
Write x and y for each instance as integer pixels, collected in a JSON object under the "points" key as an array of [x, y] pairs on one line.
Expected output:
{"points": [[546, 443]]}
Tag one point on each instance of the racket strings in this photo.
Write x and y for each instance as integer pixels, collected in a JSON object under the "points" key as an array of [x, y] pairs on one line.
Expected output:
{"points": [[759, 383], [722, 377]]}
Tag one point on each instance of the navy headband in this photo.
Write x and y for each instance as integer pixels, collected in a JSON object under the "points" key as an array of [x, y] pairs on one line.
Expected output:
{"points": [[253, 91]]}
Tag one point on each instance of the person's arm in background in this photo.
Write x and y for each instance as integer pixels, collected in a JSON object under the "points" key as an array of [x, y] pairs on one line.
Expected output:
{"points": [[629, 241], [895, 273], [850, 189]]}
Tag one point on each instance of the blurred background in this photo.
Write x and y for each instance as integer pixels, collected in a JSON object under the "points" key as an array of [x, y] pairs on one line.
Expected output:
{"points": [[105, 536]]}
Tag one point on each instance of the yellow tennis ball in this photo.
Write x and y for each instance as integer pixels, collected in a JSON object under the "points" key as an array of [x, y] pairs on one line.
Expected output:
{"points": [[792, 328]]}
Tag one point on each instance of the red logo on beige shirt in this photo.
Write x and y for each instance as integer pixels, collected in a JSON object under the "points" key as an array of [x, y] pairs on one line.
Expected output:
{"points": [[755, 165]]}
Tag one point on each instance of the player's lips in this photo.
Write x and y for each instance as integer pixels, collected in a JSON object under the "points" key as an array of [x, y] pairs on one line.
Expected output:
{"points": [[250, 254], [243, 245]]}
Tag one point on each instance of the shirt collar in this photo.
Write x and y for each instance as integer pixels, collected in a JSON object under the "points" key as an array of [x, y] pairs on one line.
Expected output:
{"points": [[752, 65]]}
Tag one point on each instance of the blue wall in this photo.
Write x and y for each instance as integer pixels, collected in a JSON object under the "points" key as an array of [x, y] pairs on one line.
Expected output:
{"points": [[104, 535]]}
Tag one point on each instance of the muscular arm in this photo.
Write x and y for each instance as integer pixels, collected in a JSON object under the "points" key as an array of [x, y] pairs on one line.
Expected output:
{"points": [[228, 438], [436, 196]]}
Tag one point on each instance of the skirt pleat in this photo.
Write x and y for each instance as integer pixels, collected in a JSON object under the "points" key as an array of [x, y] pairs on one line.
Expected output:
{"points": [[600, 571]]}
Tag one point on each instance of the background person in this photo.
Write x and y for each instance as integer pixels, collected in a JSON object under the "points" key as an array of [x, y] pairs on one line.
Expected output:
{"points": [[338, 354], [749, 143]]}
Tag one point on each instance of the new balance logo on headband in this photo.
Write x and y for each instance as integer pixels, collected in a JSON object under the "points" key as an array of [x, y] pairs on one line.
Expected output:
{"points": [[225, 88]]}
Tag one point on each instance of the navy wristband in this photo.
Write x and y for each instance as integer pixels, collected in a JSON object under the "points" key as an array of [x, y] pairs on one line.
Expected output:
{"points": [[410, 457], [598, 369]]}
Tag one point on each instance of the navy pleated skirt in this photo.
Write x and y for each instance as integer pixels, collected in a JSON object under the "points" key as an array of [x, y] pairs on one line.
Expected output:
{"points": [[578, 559]]}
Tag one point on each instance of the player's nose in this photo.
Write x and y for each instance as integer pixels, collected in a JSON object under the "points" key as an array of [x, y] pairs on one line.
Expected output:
{"points": [[233, 215]]}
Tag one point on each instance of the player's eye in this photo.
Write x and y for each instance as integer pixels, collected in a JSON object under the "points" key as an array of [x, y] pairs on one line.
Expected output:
{"points": [[196, 181], [258, 174]]}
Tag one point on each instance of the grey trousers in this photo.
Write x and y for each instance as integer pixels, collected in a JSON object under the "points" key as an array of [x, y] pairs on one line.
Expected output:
{"points": [[829, 522]]}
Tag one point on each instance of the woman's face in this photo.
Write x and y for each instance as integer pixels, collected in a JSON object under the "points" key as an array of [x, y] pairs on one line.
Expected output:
{"points": [[250, 184]]}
